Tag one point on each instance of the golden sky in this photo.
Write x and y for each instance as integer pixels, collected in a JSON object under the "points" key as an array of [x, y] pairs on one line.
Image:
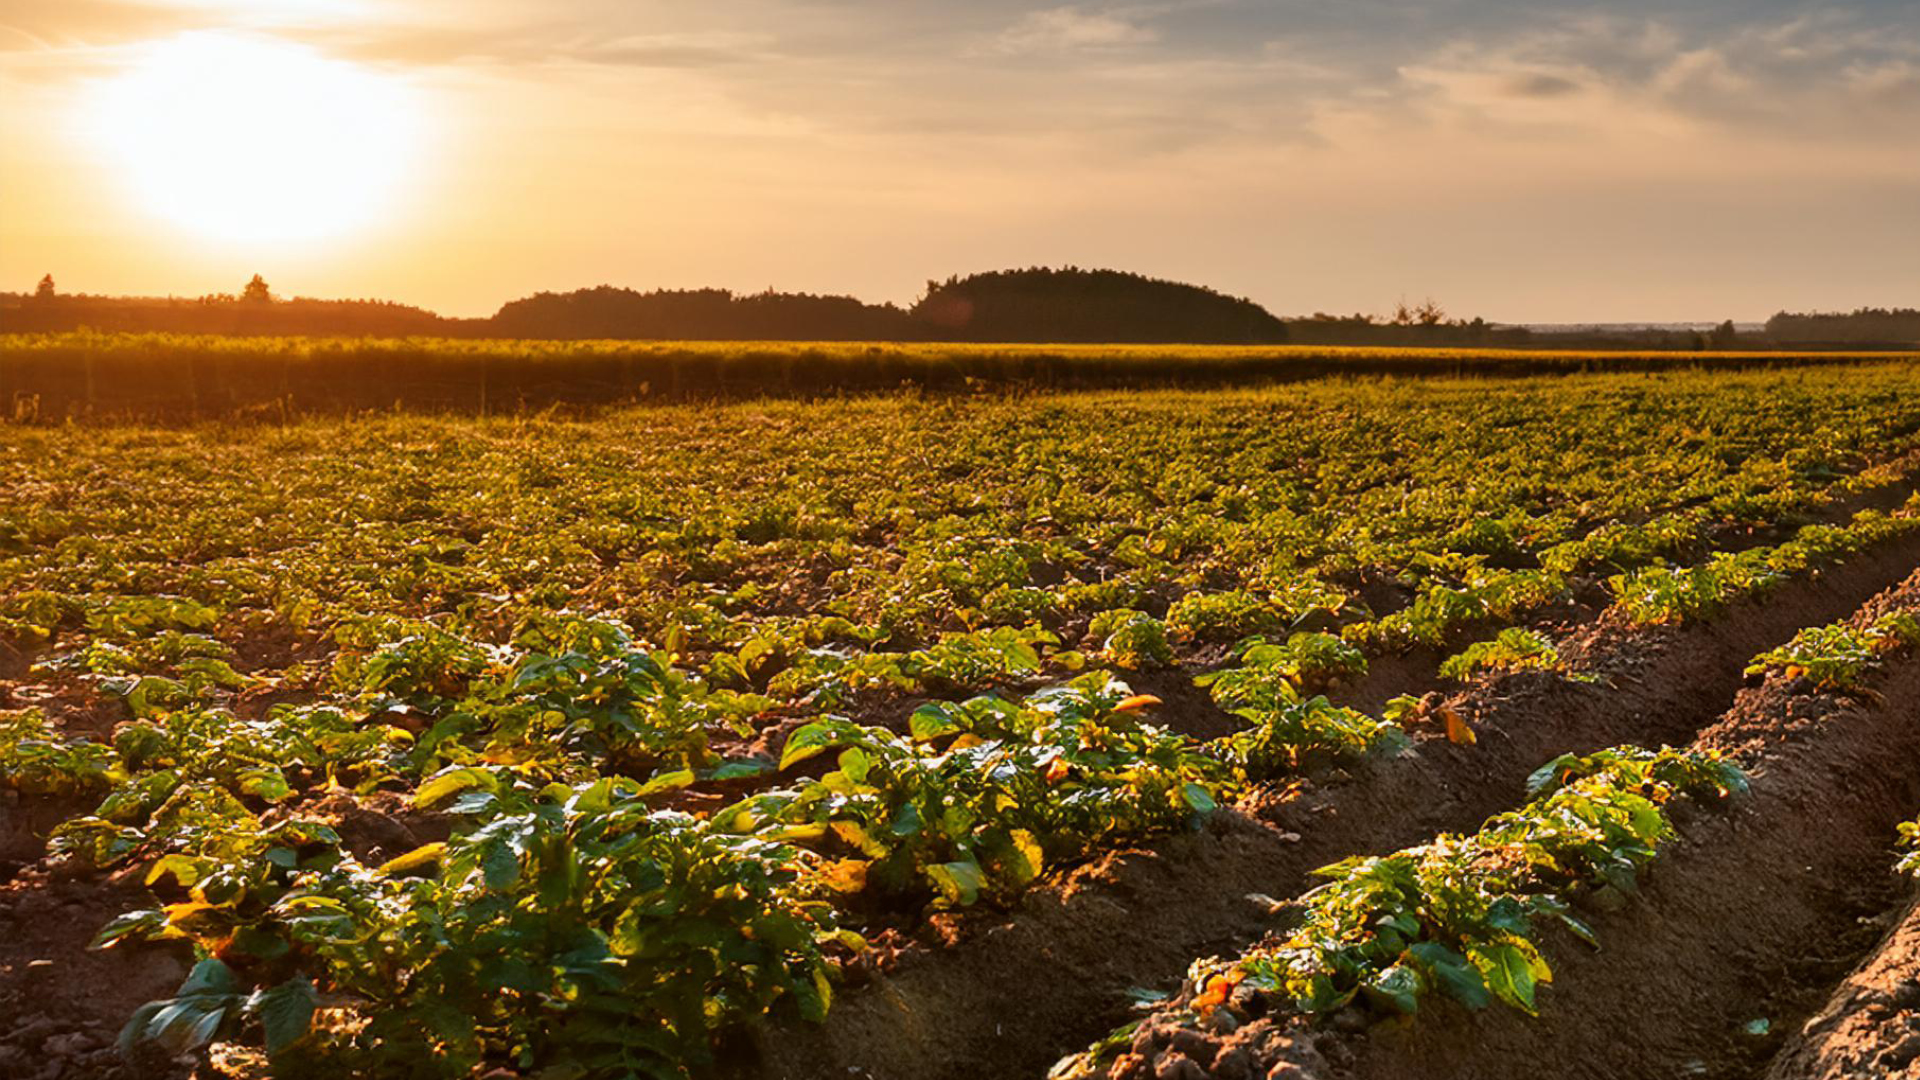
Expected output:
{"points": [[1545, 161]]}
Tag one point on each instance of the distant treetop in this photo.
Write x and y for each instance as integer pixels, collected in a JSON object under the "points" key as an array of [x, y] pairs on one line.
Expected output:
{"points": [[1865, 326], [1075, 305]]}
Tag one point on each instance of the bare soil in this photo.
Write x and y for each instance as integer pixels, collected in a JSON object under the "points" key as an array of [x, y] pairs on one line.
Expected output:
{"points": [[62, 1006], [1870, 1028]]}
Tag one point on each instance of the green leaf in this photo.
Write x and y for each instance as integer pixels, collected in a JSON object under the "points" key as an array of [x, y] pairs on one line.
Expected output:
{"points": [[500, 865], [1509, 915], [811, 740], [1198, 798], [958, 882], [855, 763], [452, 781], [907, 821], [738, 770], [930, 722], [1453, 973], [144, 923], [1028, 860], [1546, 778], [666, 781], [1398, 987], [1579, 927], [814, 995], [184, 869], [422, 856], [286, 1012], [137, 1027], [1321, 996], [209, 977], [1512, 969], [191, 1018]]}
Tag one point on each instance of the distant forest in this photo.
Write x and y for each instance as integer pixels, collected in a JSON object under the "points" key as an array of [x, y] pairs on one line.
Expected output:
{"points": [[1040, 305], [1867, 326]]}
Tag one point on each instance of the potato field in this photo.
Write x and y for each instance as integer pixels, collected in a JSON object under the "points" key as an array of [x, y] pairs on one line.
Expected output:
{"points": [[1558, 723]]}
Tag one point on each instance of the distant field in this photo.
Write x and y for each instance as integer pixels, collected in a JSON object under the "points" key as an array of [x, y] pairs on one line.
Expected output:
{"points": [[55, 376]]}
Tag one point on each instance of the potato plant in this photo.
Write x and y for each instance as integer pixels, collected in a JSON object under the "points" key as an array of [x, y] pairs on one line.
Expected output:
{"points": [[578, 643]]}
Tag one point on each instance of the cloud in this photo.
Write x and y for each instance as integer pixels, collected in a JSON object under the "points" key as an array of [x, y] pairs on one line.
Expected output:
{"points": [[1539, 85], [1101, 81], [1888, 82], [1068, 29], [1799, 79], [673, 50]]}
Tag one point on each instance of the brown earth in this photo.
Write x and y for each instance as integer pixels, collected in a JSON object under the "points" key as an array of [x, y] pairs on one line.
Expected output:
{"points": [[1021, 988], [1740, 930], [1870, 1028], [62, 1006]]}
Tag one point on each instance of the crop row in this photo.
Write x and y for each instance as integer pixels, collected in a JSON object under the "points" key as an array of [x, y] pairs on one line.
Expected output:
{"points": [[1460, 916]]}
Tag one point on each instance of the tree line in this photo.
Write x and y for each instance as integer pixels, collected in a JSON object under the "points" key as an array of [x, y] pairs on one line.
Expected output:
{"points": [[1039, 304], [1859, 327]]}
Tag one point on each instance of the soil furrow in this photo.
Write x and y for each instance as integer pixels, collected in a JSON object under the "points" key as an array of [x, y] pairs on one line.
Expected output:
{"points": [[1015, 991], [1870, 1027]]}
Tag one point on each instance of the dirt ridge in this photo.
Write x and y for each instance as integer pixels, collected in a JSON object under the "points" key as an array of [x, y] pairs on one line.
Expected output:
{"points": [[1870, 1027]]}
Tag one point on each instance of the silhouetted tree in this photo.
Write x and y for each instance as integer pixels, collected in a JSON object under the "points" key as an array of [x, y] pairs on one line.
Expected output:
{"points": [[699, 315], [1725, 336], [256, 291], [1430, 313], [1075, 305], [1867, 326], [45, 291]]}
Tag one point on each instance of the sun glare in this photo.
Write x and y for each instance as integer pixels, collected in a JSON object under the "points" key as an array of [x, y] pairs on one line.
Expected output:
{"points": [[243, 138]]}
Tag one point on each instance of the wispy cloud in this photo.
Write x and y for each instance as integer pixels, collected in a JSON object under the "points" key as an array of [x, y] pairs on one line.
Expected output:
{"points": [[1076, 28]]}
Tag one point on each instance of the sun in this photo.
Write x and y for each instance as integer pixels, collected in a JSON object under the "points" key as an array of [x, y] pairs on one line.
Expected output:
{"points": [[253, 139]]}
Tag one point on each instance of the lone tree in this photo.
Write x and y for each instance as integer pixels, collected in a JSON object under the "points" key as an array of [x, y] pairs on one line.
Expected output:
{"points": [[256, 291], [44, 291]]}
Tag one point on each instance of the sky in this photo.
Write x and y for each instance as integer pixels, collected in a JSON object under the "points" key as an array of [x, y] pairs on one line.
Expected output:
{"points": [[1541, 161]]}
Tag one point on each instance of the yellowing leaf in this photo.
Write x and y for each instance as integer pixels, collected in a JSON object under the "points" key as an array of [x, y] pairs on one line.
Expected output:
{"points": [[183, 869], [856, 837], [424, 855], [1138, 702], [179, 914], [845, 876], [1028, 848], [1458, 732]]}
